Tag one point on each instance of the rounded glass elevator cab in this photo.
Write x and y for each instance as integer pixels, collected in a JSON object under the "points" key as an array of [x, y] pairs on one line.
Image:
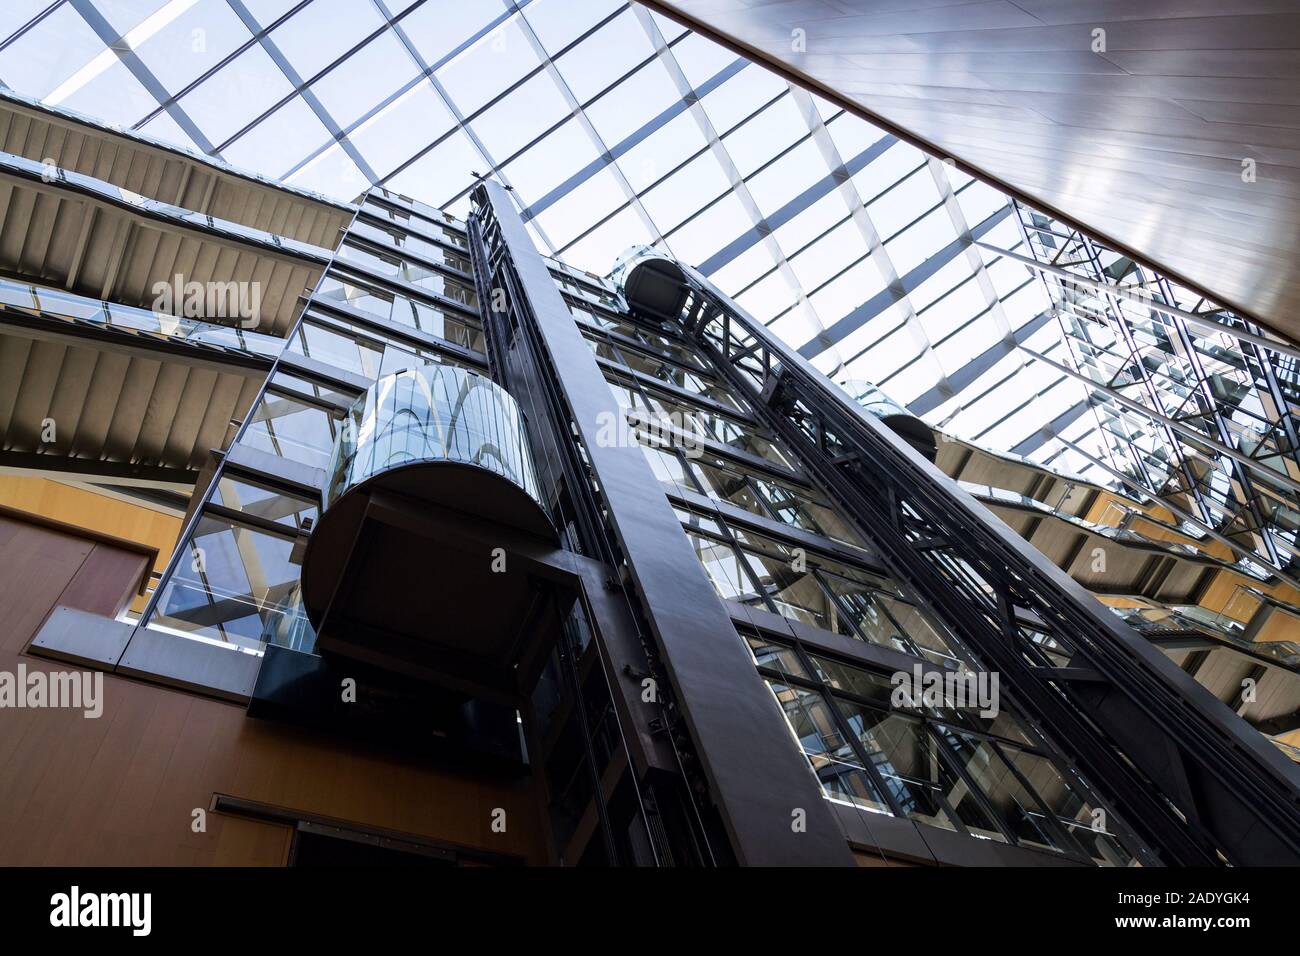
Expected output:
{"points": [[430, 488], [446, 417], [906, 425]]}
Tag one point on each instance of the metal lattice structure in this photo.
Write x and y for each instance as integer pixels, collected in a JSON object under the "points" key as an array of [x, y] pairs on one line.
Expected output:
{"points": [[1188, 402], [1192, 778]]}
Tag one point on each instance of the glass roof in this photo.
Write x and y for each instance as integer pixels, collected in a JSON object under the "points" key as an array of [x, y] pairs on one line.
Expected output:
{"points": [[613, 126]]}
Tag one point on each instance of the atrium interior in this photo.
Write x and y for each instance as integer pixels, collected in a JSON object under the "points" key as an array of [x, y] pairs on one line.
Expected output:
{"points": [[517, 359]]}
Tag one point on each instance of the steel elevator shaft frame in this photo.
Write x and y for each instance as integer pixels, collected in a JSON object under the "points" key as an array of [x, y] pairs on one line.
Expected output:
{"points": [[1198, 784], [714, 721], [518, 360]]}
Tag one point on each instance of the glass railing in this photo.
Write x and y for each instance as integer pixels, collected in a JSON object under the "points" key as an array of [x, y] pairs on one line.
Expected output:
{"points": [[1190, 619], [428, 414], [57, 304], [31, 170]]}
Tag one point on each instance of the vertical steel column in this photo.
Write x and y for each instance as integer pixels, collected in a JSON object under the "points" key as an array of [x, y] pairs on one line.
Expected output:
{"points": [[758, 777]]}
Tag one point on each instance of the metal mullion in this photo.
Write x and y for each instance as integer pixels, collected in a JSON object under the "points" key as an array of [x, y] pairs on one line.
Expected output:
{"points": [[303, 87], [256, 522], [855, 743], [577, 111], [186, 531], [277, 483]]}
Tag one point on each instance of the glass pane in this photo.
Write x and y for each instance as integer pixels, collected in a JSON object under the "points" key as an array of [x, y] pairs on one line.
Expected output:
{"points": [[776, 656], [292, 429], [905, 757], [235, 584], [1015, 805], [833, 760]]}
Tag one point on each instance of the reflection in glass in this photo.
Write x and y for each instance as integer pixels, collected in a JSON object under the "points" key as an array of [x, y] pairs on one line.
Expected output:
{"points": [[235, 584], [436, 412]]}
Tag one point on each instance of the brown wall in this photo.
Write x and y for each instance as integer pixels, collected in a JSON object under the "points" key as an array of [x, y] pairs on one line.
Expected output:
{"points": [[101, 513], [121, 789]]}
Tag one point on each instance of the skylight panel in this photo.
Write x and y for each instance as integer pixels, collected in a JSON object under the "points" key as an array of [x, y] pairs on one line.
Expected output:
{"points": [[402, 128], [43, 60], [596, 252], [115, 97], [848, 291], [529, 110], [440, 173], [920, 241], [662, 151], [561, 155], [477, 75], [366, 78], [332, 173], [740, 96], [438, 29], [633, 103], [699, 58], [281, 142], [204, 34], [789, 176], [804, 227], [763, 137], [558, 23], [698, 183], [323, 31], [828, 256], [605, 56], [237, 94], [582, 208], [744, 269]]}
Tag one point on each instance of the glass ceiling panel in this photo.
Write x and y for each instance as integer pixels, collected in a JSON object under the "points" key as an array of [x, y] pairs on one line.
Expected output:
{"points": [[206, 34], [322, 31], [372, 74], [815, 220]]}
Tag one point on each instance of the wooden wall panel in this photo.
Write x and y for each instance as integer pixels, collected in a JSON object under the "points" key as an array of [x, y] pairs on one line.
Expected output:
{"points": [[121, 789], [83, 508], [1136, 119], [38, 566]]}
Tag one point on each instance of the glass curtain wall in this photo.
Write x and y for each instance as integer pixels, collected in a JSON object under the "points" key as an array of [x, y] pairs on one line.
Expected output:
{"points": [[234, 579], [769, 540]]}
